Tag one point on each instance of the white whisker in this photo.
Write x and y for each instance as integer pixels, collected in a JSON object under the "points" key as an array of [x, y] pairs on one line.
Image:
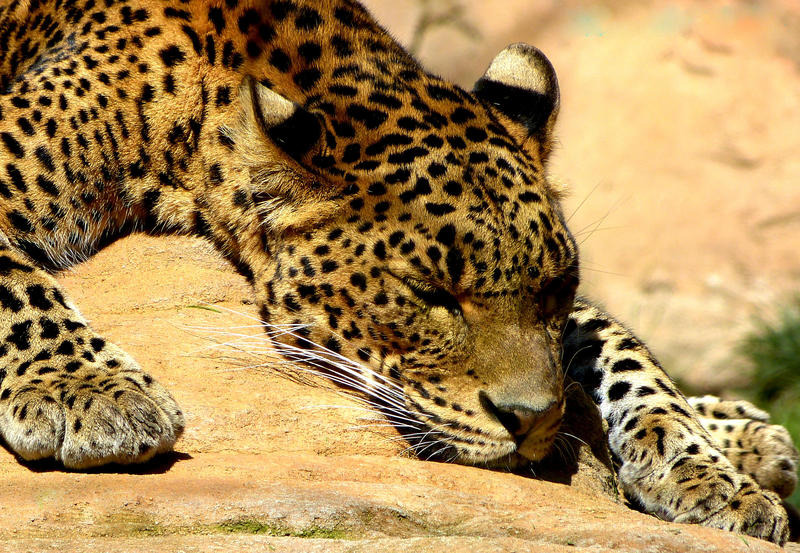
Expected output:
{"points": [[574, 437], [377, 393]]}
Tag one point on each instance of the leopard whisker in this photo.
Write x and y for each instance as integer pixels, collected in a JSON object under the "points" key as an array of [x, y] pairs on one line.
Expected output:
{"points": [[266, 326], [397, 415], [591, 228], [565, 449], [452, 458], [377, 392], [435, 454], [584, 200], [572, 359], [573, 436], [557, 448], [431, 442], [392, 439], [328, 356], [386, 388], [352, 379], [418, 452], [389, 396]]}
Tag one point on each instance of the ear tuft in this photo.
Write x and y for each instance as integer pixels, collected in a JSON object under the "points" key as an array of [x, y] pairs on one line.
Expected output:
{"points": [[522, 85], [296, 131]]}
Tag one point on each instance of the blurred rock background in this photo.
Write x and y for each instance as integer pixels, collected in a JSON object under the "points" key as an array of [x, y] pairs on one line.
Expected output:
{"points": [[680, 144]]}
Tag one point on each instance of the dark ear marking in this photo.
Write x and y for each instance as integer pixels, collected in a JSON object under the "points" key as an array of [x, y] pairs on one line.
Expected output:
{"points": [[522, 85], [530, 109], [298, 134], [283, 148], [288, 125]]}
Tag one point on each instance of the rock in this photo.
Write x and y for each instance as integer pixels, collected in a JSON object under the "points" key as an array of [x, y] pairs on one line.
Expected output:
{"points": [[271, 464]]}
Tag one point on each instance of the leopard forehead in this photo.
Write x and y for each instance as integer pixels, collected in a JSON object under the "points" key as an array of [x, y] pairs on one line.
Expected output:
{"points": [[417, 161], [453, 196]]}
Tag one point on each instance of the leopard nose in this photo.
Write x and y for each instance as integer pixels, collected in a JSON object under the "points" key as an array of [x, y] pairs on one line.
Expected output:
{"points": [[519, 419]]}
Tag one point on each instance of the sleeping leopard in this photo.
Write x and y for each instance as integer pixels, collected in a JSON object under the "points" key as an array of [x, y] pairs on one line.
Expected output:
{"points": [[386, 219]]}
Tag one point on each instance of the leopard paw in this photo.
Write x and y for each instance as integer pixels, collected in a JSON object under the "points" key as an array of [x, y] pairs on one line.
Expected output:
{"points": [[751, 511], [88, 414], [713, 407], [763, 451], [700, 486], [756, 448]]}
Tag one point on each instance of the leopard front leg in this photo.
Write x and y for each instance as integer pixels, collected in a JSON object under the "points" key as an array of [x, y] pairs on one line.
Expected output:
{"points": [[65, 392], [669, 464]]}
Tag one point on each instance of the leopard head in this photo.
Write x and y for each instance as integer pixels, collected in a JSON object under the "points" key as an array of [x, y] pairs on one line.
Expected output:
{"points": [[411, 246]]}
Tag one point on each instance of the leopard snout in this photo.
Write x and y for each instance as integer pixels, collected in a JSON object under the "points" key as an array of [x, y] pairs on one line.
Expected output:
{"points": [[532, 427]]}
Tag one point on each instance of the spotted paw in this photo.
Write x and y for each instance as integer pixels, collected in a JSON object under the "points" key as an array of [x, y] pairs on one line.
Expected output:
{"points": [[751, 511], [86, 414], [713, 407], [761, 450]]}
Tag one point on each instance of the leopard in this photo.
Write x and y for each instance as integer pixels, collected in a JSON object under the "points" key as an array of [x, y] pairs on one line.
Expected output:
{"points": [[400, 229]]}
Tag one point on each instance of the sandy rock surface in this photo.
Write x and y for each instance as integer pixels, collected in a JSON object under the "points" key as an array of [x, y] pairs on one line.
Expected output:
{"points": [[268, 464]]}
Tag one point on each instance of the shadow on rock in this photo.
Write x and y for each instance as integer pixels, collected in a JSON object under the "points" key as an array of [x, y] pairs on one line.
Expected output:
{"points": [[580, 455], [160, 464]]}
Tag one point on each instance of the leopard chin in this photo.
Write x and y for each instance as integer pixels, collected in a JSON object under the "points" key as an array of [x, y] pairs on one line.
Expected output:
{"points": [[506, 456]]}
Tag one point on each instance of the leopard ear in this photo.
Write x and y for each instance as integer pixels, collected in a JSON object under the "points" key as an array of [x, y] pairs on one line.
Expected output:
{"points": [[521, 84], [282, 149], [294, 130]]}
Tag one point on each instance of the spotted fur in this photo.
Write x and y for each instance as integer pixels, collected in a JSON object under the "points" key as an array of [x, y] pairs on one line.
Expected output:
{"points": [[393, 225]]}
